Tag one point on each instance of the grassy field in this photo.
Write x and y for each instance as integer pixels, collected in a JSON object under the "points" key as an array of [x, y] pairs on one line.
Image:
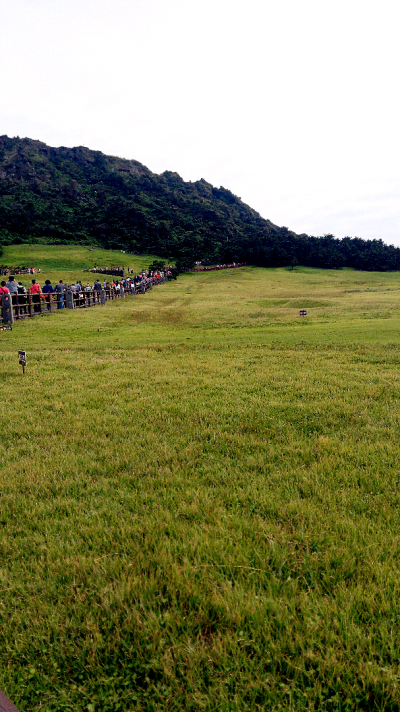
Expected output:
{"points": [[199, 496], [67, 262]]}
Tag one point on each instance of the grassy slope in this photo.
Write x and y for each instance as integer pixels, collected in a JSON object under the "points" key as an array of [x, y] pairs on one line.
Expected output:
{"points": [[199, 498], [67, 261]]}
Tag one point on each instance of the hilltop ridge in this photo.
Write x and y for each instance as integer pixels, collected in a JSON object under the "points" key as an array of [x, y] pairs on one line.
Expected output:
{"points": [[77, 195]]}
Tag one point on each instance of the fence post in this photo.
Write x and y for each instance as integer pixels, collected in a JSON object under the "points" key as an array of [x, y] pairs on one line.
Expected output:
{"points": [[121, 291], [29, 297], [69, 298], [16, 306], [103, 296], [6, 306]]}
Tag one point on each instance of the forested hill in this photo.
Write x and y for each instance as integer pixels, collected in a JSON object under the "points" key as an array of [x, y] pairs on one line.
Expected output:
{"points": [[77, 195]]}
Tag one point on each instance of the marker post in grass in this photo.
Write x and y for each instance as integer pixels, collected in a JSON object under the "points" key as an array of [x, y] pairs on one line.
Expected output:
{"points": [[22, 359]]}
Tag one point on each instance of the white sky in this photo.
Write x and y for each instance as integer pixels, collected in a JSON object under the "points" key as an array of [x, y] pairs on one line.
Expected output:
{"points": [[291, 104]]}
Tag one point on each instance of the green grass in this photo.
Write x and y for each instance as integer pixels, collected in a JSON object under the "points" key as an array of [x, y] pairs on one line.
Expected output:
{"points": [[199, 498], [67, 262]]}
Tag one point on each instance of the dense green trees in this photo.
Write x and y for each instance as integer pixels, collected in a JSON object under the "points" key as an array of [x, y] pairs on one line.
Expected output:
{"points": [[78, 195]]}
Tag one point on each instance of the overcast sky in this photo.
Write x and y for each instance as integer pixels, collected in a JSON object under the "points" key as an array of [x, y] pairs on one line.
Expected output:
{"points": [[291, 104]]}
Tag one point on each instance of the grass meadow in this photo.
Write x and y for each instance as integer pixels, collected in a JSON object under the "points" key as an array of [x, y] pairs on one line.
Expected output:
{"points": [[199, 495]]}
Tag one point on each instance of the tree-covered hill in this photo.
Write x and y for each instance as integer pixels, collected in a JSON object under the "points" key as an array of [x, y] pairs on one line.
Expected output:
{"points": [[77, 195]]}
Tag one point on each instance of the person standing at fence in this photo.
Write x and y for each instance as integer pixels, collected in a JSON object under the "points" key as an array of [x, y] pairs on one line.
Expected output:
{"points": [[22, 298], [12, 287], [59, 290], [36, 292], [3, 288], [97, 290], [79, 291], [47, 290]]}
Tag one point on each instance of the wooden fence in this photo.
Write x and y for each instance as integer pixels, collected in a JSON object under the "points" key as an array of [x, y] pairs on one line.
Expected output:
{"points": [[19, 306]]}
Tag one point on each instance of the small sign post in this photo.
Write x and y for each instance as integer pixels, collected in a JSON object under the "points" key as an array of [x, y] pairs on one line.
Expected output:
{"points": [[22, 359]]}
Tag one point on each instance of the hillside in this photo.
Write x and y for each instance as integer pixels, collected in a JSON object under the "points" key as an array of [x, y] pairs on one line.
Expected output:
{"points": [[76, 195]]}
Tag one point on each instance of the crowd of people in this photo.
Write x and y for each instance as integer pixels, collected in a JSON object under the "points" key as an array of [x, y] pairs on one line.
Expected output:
{"points": [[117, 271], [18, 270], [20, 295], [114, 271], [200, 268]]}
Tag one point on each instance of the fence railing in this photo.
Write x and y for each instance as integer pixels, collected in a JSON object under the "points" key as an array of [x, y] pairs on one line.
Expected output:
{"points": [[20, 306]]}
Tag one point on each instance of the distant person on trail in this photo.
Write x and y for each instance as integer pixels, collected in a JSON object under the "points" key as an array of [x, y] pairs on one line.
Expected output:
{"points": [[36, 292], [97, 286], [59, 290]]}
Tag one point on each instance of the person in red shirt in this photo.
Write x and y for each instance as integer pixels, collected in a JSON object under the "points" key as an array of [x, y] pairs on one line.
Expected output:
{"points": [[36, 293], [3, 288]]}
